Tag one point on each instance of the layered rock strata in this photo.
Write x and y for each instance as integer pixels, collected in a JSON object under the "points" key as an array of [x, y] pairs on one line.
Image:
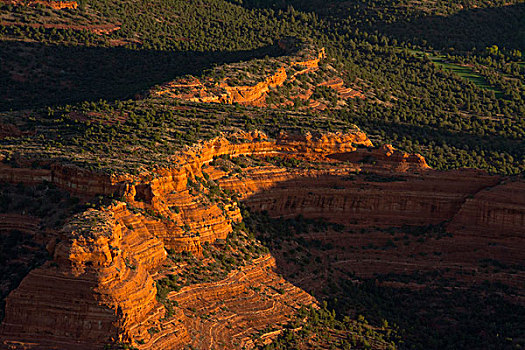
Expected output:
{"points": [[410, 199], [99, 288], [225, 314], [252, 95], [495, 209], [94, 290]]}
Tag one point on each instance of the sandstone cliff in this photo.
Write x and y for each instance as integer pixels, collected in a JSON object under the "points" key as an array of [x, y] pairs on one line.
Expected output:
{"points": [[497, 208], [306, 80], [110, 255], [100, 287], [211, 91]]}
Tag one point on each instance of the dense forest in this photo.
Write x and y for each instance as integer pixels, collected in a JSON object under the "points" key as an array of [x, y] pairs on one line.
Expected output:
{"points": [[420, 105]]}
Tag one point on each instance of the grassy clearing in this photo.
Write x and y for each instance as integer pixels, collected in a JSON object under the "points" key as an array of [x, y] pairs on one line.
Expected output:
{"points": [[463, 71]]}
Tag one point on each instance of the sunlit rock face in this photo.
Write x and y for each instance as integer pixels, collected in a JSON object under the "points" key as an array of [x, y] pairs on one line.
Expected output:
{"points": [[99, 286]]}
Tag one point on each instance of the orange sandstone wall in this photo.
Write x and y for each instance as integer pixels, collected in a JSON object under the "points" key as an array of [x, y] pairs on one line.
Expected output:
{"points": [[58, 5], [250, 94], [169, 187], [99, 288], [186, 164], [95, 291], [249, 301], [416, 199], [70, 178], [253, 95]]}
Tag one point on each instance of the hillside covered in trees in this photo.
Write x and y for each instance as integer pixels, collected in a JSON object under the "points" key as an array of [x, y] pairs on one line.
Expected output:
{"points": [[136, 115], [457, 99]]}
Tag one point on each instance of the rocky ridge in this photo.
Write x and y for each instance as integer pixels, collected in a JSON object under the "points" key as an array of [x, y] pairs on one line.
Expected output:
{"points": [[110, 254], [99, 287], [295, 72]]}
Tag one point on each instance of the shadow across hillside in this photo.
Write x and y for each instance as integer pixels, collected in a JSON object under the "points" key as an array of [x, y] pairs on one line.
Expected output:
{"points": [[358, 270], [465, 30], [430, 138], [36, 75], [321, 7]]}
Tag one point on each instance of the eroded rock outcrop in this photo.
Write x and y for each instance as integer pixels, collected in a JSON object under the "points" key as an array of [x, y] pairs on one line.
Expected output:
{"points": [[388, 200], [186, 164], [100, 287], [305, 80], [222, 92], [96, 288], [497, 208], [56, 5], [253, 298]]}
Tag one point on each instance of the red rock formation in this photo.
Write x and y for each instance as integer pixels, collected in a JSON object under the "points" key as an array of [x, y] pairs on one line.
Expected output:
{"points": [[413, 199], [108, 256], [186, 164], [96, 290], [497, 208], [251, 95], [386, 157], [68, 177], [246, 301], [99, 287], [208, 90], [343, 91], [57, 5], [247, 95], [99, 29]]}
